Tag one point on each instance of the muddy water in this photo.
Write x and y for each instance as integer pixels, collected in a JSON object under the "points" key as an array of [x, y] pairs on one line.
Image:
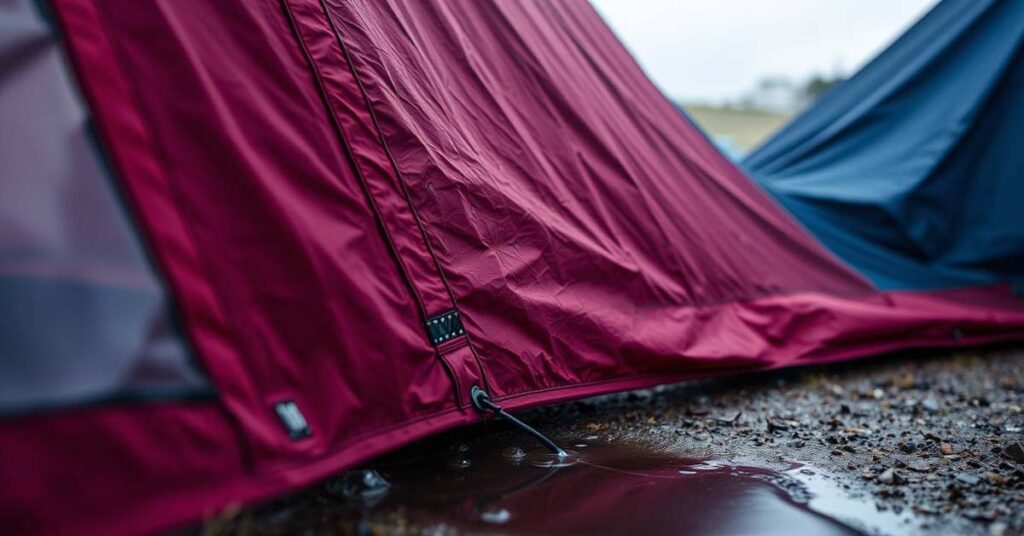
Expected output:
{"points": [[493, 485]]}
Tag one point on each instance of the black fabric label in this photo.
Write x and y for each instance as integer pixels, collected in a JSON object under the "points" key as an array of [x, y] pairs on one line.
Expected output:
{"points": [[445, 327]]}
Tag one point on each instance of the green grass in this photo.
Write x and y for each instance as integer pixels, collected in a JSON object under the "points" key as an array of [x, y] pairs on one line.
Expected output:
{"points": [[746, 128]]}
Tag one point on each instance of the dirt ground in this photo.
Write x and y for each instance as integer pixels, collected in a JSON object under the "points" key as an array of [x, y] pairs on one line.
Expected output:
{"points": [[935, 437]]}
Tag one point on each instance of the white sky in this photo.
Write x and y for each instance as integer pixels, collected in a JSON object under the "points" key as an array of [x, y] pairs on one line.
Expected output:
{"points": [[716, 50]]}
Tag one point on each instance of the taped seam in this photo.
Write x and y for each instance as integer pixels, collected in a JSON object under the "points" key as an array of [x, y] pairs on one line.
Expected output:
{"points": [[336, 126], [399, 178]]}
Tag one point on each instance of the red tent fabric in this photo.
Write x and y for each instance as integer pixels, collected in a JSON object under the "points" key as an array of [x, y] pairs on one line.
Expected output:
{"points": [[320, 179]]}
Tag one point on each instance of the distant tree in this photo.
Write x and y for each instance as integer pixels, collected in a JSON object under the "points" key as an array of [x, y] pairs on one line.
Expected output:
{"points": [[819, 84]]}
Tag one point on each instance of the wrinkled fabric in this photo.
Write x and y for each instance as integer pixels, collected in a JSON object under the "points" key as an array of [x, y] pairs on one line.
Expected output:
{"points": [[911, 170], [319, 179]]}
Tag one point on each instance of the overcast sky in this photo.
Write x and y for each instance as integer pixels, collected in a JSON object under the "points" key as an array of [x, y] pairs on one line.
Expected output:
{"points": [[715, 50]]}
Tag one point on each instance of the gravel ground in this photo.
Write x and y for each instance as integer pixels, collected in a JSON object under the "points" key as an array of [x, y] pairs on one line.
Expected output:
{"points": [[933, 436]]}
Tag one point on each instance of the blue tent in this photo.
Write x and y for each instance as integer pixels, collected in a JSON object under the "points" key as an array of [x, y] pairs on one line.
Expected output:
{"points": [[913, 170]]}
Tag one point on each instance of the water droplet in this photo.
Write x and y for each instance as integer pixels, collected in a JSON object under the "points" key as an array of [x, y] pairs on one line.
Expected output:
{"points": [[515, 454], [360, 484], [497, 516], [550, 459], [460, 462]]}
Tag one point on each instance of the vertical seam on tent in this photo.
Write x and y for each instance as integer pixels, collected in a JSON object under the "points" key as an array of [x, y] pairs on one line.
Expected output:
{"points": [[322, 90], [400, 179], [244, 438], [387, 151]]}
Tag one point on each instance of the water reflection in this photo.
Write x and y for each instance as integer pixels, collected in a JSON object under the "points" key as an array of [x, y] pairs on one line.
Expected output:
{"points": [[600, 488]]}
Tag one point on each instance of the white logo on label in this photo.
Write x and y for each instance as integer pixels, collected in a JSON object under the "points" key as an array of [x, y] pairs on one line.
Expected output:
{"points": [[292, 417]]}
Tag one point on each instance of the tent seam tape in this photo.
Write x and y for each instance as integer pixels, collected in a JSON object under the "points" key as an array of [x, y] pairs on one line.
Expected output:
{"points": [[374, 208], [400, 180]]}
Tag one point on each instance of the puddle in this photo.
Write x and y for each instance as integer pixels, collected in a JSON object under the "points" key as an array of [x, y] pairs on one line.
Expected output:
{"points": [[856, 509], [509, 486]]}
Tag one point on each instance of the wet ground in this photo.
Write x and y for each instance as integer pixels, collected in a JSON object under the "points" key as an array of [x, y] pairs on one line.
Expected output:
{"points": [[914, 443]]}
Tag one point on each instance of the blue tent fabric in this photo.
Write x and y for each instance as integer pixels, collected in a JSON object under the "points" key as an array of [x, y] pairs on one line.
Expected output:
{"points": [[912, 170]]}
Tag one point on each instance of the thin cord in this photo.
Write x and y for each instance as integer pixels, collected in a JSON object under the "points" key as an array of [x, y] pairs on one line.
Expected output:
{"points": [[482, 402]]}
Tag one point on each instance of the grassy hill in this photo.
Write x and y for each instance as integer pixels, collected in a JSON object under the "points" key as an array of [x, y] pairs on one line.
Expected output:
{"points": [[744, 128]]}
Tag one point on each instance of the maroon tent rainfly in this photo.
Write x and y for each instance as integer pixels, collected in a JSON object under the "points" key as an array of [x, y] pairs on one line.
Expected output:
{"points": [[245, 245]]}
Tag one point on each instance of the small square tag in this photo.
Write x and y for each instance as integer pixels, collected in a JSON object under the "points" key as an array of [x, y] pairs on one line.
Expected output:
{"points": [[445, 327], [292, 419]]}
